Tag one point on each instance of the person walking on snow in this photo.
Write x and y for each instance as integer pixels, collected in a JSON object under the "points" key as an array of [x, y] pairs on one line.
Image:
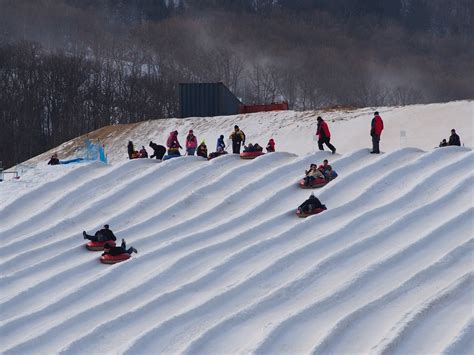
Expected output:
{"points": [[324, 136], [238, 138], [130, 149], [454, 138], [376, 128], [191, 143]]}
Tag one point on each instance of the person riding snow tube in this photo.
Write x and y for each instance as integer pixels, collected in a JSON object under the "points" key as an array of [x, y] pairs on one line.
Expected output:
{"points": [[113, 254], [311, 206], [252, 151]]}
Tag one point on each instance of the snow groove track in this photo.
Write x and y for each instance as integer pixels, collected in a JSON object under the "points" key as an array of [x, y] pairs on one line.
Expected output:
{"points": [[225, 266]]}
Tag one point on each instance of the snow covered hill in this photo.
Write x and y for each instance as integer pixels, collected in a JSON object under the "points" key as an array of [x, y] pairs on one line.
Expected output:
{"points": [[225, 266]]}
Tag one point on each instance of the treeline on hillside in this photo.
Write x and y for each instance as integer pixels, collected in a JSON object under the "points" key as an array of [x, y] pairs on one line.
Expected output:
{"points": [[71, 66]]}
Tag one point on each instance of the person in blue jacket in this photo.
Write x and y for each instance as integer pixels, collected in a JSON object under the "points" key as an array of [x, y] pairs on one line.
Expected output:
{"points": [[220, 143]]}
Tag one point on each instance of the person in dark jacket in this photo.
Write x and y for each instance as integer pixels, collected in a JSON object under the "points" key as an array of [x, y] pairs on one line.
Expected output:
{"points": [[238, 138], [158, 150], [454, 138], [443, 143], [376, 128], [130, 149], [220, 143], [324, 135], [311, 204], [113, 251], [102, 235], [202, 150], [54, 160]]}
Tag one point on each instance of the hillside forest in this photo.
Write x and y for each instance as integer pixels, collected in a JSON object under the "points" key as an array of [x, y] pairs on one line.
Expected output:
{"points": [[68, 67]]}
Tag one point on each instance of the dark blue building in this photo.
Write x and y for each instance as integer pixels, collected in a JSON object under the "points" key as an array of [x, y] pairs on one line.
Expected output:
{"points": [[207, 99]]}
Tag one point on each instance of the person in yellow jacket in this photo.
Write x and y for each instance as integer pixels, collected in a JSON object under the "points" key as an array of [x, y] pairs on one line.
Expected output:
{"points": [[238, 138]]}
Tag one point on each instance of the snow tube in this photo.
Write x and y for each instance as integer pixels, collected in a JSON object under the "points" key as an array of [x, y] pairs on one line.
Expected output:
{"points": [[251, 155], [215, 155], [319, 182], [98, 246], [113, 259], [301, 214]]}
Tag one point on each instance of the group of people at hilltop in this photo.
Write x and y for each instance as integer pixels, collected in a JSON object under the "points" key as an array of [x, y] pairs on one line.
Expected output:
{"points": [[173, 146]]}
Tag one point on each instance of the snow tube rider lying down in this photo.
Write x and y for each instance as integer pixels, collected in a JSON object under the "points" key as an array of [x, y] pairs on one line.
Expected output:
{"points": [[311, 206]]}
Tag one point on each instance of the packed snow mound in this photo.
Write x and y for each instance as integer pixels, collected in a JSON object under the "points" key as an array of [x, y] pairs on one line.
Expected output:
{"points": [[225, 266], [422, 126]]}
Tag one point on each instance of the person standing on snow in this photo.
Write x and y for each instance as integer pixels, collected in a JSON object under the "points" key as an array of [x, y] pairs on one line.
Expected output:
{"points": [[454, 138], [376, 128], [238, 138], [191, 143], [220, 146], [324, 136], [173, 144], [130, 149]]}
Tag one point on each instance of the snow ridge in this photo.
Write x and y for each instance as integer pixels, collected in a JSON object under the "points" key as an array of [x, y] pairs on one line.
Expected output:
{"points": [[224, 265]]}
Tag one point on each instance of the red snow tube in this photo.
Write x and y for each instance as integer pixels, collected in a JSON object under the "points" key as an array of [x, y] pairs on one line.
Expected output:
{"points": [[251, 155], [112, 259], [306, 214], [98, 246], [319, 182]]}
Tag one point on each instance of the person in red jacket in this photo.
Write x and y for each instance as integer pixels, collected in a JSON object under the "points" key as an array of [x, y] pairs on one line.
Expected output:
{"points": [[271, 145], [324, 136], [376, 131], [191, 143], [173, 144]]}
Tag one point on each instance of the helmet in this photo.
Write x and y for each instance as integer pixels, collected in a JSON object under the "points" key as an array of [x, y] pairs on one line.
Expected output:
{"points": [[236, 127], [376, 113], [106, 226]]}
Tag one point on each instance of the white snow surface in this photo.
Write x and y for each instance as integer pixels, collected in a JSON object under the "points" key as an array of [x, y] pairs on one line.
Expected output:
{"points": [[225, 266]]}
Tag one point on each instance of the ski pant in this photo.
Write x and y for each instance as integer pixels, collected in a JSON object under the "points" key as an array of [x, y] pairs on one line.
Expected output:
{"points": [[190, 151], [92, 238], [236, 147], [375, 143], [326, 141], [308, 180]]}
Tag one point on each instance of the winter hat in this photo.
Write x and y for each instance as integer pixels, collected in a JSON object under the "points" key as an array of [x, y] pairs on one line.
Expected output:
{"points": [[190, 131], [376, 113], [221, 136], [319, 118], [106, 226], [236, 127]]}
